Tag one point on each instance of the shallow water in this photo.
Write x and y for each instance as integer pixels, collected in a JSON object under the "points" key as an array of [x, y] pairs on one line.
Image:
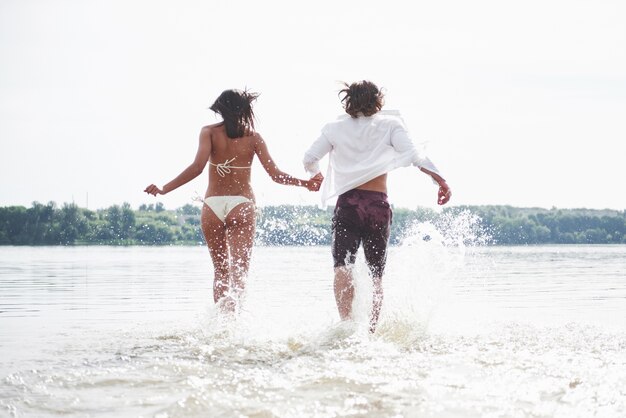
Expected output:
{"points": [[465, 331]]}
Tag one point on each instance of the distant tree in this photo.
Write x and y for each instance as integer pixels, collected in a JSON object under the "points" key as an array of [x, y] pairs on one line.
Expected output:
{"points": [[39, 227], [71, 225], [46, 224], [127, 222], [154, 234], [189, 209], [12, 221]]}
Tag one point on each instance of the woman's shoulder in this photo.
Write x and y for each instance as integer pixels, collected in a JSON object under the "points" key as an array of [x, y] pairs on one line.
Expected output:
{"points": [[210, 132], [212, 127], [254, 136]]}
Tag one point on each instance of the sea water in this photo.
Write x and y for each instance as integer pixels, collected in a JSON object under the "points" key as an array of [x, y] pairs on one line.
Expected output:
{"points": [[465, 331]]}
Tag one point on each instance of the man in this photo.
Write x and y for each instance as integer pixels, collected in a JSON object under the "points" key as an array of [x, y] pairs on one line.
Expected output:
{"points": [[363, 146]]}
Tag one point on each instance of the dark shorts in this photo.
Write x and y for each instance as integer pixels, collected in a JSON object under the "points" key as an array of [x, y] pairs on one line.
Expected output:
{"points": [[361, 216]]}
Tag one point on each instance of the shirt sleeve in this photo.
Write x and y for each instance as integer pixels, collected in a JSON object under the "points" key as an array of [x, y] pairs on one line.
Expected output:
{"points": [[402, 143], [315, 153]]}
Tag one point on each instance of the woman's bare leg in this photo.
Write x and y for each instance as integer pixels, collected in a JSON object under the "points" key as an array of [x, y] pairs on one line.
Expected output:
{"points": [[344, 291], [215, 235], [240, 228]]}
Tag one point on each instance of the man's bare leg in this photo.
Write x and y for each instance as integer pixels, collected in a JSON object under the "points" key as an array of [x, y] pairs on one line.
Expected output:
{"points": [[344, 291], [377, 301]]}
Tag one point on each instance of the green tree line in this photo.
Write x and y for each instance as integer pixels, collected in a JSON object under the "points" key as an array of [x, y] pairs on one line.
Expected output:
{"points": [[49, 224]]}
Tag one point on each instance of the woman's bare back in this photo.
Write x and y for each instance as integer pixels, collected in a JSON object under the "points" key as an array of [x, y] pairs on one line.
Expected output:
{"points": [[230, 163]]}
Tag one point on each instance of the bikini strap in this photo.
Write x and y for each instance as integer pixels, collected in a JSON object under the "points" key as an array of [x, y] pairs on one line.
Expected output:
{"points": [[225, 167]]}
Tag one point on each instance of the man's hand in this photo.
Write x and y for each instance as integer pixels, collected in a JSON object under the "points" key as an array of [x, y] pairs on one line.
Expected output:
{"points": [[312, 185], [315, 182], [318, 177], [444, 194]]}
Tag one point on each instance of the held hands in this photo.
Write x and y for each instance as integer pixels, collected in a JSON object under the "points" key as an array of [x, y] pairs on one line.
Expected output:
{"points": [[312, 186], [314, 183], [444, 194], [153, 190]]}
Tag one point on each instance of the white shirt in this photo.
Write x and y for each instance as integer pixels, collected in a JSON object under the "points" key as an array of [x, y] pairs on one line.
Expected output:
{"points": [[361, 149]]}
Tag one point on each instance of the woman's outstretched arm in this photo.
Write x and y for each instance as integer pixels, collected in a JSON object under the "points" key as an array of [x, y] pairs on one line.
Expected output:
{"points": [[193, 170], [275, 173]]}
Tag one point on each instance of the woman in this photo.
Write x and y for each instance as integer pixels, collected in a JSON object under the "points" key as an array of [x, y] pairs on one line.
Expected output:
{"points": [[228, 215], [363, 146]]}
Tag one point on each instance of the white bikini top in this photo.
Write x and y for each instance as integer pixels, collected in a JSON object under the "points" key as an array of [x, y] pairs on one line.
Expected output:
{"points": [[225, 167]]}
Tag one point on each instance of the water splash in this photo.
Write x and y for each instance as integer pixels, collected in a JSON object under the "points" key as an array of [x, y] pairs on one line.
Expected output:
{"points": [[452, 228], [293, 225], [421, 272]]}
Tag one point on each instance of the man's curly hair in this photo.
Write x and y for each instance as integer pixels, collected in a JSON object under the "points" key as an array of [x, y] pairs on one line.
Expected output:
{"points": [[361, 97]]}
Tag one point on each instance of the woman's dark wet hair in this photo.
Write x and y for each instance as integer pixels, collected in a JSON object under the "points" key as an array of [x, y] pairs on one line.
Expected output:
{"points": [[362, 97], [235, 107]]}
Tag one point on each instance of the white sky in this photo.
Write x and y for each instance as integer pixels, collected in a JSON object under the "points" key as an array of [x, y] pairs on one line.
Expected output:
{"points": [[521, 102]]}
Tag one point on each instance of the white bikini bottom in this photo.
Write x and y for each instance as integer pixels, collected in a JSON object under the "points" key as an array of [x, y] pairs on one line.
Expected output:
{"points": [[222, 205]]}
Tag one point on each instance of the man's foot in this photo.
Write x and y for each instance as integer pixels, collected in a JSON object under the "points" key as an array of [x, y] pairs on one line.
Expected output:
{"points": [[227, 305]]}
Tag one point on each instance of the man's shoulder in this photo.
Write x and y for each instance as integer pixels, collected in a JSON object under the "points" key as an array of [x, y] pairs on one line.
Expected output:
{"points": [[383, 117], [336, 124], [390, 120], [390, 116]]}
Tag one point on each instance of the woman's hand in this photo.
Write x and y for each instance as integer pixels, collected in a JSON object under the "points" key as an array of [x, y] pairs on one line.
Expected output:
{"points": [[153, 190], [312, 186], [444, 194]]}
